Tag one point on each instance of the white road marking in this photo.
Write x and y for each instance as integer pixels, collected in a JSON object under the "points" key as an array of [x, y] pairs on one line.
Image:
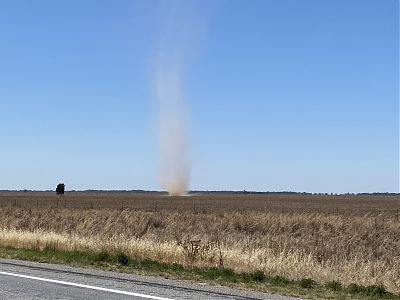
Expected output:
{"points": [[85, 286]]}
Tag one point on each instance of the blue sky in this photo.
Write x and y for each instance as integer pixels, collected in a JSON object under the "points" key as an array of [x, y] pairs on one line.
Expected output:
{"points": [[283, 95]]}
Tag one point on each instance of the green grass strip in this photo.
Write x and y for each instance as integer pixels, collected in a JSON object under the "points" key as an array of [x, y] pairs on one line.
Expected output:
{"points": [[258, 280]]}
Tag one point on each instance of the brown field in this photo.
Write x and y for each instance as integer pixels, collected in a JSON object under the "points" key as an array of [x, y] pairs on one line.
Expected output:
{"points": [[298, 203], [352, 239]]}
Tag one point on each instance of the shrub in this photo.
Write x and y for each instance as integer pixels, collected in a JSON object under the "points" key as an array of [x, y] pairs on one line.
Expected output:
{"points": [[177, 267], [258, 276], [307, 283], [196, 250], [354, 288], [122, 258], [371, 290], [376, 290], [227, 272]]}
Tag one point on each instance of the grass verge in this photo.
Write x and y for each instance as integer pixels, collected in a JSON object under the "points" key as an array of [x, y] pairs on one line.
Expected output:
{"points": [[258, 280]]}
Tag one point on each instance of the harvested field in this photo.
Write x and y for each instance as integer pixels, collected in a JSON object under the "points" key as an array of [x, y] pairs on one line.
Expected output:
{"points": [[283, 203], [351, 239]]}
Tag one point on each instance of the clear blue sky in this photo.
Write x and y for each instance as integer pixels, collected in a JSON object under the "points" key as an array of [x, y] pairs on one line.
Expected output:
{"points": [[283, 94]]}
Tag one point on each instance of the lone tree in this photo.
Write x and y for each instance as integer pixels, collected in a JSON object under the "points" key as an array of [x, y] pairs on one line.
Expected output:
{"points": [[60, 189]]}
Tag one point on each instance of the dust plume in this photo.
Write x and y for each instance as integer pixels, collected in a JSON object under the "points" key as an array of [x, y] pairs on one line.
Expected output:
{"points": [[174, 120], [175, 165]]}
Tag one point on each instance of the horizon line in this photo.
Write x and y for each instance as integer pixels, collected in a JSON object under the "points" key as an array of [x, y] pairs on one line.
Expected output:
{"points": [[204, 192]]}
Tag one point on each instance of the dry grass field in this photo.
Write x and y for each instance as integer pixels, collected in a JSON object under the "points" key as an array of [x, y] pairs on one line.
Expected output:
{"points": [[351, 239]]}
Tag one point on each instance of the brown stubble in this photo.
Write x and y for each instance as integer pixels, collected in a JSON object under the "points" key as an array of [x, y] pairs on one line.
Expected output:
{"points": [[284, 203]]}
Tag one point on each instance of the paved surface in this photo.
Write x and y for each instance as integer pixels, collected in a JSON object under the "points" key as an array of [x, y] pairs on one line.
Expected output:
{"points": [[29, 280]]}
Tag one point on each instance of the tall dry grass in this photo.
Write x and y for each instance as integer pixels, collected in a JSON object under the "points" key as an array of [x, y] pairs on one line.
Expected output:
{"points": [[360, 249]]}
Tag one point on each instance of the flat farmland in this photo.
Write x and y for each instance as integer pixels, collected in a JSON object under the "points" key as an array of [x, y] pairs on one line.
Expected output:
{"points": [[346, 238], [210, 202]]}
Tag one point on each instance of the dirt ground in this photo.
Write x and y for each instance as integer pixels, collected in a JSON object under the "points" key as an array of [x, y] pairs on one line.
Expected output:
{"points": [[202, 203]]}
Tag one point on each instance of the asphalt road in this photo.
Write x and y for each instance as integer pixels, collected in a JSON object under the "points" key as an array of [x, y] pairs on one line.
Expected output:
{"points": [[30, 280]]}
